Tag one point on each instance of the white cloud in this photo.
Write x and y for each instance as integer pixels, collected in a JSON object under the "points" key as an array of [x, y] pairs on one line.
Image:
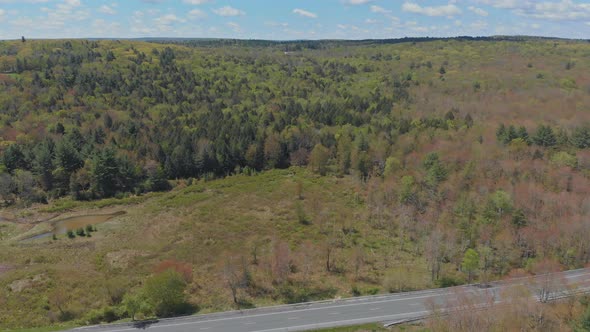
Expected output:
{"points": [[228, 11], [478, 11], [358, 2], [107, 10], [478, 25], [504, 4], [371, 21], [168, 19], [380, 10], [72, 3], [562, 10], [196, 2], [445, 10], [24, 1], [197, 13], [277, 24], [565, 10], [304, 13], [235, 27]]}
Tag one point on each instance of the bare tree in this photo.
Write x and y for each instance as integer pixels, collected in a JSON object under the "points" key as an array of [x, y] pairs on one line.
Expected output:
{"points": [[236, 276], [434, 253]]}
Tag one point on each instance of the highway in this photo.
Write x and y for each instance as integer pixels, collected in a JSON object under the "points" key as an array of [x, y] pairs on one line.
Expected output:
{"points": [[353, 311]]}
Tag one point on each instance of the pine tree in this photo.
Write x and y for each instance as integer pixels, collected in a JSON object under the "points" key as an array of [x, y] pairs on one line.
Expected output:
{"points": [[544, 136]]}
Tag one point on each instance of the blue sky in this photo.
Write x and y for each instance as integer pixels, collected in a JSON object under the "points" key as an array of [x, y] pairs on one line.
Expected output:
{"points": [[292, 19]]}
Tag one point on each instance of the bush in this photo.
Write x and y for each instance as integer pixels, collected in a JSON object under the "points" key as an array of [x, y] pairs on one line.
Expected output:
{"points": [[105, 315], [563, 158], [449, 281], [298, 293], [165, 292], [80, 232]]}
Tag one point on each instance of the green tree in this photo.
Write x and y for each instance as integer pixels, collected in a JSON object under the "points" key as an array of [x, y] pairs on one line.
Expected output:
{"points": [[501, 133], [318, 159], [135, 304], [272, 150], [67, 157], [392, 164], [581, 137], [25, 186], [43, 166], [435, 171], [165, 292], [470, 263], [499, 204], [343, 153], [13, 158], [104, 173], [523, 134], [519, 218], [544, 136], [407, 192], [563, 158], [7, 187]]}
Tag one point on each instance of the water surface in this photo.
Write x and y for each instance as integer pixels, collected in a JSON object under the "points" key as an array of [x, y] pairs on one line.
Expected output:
{"points": [[62, 226]]}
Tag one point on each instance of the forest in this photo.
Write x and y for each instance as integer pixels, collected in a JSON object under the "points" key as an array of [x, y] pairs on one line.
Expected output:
{"points": [[400, 161]]}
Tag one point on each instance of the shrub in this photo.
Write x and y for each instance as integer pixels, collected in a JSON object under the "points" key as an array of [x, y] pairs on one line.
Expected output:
{"points": [[448, 281], [105, 315], [563, 158], [80, 232], [165, 292], [184, 269]]}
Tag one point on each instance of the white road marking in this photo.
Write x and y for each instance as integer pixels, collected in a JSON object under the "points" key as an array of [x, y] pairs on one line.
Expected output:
{"points": [[292, 318], [249, 323], [373, 309], [345, 322], [432, 293]]}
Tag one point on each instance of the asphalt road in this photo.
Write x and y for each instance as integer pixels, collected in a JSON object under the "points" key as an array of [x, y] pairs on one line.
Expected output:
{"points": [[360, 310]]}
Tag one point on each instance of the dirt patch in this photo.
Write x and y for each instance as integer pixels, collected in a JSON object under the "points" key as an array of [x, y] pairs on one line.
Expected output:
{"points": [[20, 285], [123, 258], [5, 268]]}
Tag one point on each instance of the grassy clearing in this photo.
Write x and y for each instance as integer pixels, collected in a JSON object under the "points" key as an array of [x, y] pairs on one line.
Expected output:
{"points": [[209, 225]]}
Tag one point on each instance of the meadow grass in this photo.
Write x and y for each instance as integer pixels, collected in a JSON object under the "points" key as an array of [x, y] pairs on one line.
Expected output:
{"points": [[205, 224]]}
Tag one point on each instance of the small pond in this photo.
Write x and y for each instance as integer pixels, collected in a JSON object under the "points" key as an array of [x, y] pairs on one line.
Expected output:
{"points": [[62, 226]]}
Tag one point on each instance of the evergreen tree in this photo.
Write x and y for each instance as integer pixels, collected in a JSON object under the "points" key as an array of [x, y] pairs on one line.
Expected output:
{"points": [[501, 133], [67, 156], [104, 173], [13, 158], [581, 137], [43, 165], [523, 134], [544, 136]]}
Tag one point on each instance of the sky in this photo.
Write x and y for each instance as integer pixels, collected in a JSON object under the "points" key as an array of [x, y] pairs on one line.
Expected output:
{"points": [[292, 19]]}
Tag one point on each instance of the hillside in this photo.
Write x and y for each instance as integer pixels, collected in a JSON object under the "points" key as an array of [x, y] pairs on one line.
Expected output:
{"points": [[286, 172]]}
